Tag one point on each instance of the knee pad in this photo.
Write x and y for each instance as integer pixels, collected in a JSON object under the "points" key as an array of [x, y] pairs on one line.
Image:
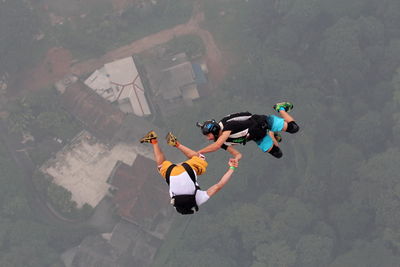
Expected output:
{"points": [[292, 127], [276, 152]]}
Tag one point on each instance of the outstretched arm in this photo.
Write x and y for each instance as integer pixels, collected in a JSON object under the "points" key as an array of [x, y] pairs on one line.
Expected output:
{"points": [[236, 154], [224, 179], [217, 144]]}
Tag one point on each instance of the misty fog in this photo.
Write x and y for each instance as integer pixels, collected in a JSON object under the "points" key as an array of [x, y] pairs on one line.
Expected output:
{"points": [[82, 81]]}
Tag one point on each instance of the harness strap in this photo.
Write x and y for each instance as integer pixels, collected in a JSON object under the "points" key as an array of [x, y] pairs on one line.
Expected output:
{"points": [[168, 173], [190, 171]]}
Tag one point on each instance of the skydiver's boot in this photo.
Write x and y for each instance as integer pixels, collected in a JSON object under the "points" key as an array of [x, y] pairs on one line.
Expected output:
{"points": [[150, 137], [171, 139], [287, 106], [278, 137]]}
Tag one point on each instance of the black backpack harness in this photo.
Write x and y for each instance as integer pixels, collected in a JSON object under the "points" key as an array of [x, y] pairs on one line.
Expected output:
{"points": [[184, 204], [258, 130]]}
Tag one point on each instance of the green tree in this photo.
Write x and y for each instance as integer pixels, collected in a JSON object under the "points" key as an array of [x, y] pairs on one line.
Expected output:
{"points": [[368, 254], [343, 8], [349, 221], [276, 254], [391, 58], [279, 72], [392, 236], [61, 198], [251, 222], [201, 258], [289, 223], [302, 13], [314, 250], [344, 163], [342, 54], [312, 189], [16, 207], [18, 25], [366, 132], [372, 31], [396, 86], [389, 11], [378, 187]]}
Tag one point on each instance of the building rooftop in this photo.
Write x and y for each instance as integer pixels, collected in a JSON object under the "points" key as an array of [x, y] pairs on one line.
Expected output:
{"points": [[100, 118], [84, 166], [120, 81], [128, 245], [175, 78], [142, 196]]}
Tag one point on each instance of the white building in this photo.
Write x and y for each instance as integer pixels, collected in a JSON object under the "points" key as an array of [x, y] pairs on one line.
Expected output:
{"points": [[84, 166], [120, 81]]}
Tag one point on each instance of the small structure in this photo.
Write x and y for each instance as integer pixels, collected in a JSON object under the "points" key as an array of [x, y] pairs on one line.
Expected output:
{"points": [[175, 81], [68, 80], [119, 81]]}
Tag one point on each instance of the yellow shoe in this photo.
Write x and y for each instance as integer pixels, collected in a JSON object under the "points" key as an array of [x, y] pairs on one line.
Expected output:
{"points": [[148, 137], [171, 139]]}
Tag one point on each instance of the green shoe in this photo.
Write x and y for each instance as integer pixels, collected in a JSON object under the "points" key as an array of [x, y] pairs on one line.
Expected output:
{"points": [[286, 105], [148, 137], [171, 139], [278, 137]]}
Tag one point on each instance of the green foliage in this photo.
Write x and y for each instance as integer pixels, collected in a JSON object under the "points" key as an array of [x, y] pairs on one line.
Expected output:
{"points": [[392, 236], [389, 11], [289, 223], [314, 250], [378, 187], [101, 30], [18, 25], [192, 45], [302, 14], [342, 54], [276, 254], [61, 198], [391, 58], [16, 207], [367, 132], [336, 188], [343, 8], [251, 222], [367, 254], [349, 221], [279, 72], [40, 114], [24, 239], [238, 20], [396, 85], [203, 257]]}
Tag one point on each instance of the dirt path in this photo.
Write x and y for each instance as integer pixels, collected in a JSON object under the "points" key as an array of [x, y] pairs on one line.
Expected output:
{"points": [[214, 59], [53, 68], [59, 62]]}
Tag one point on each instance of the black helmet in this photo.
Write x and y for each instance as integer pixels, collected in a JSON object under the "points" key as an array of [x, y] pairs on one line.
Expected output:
{"points": [[209, 127]]}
